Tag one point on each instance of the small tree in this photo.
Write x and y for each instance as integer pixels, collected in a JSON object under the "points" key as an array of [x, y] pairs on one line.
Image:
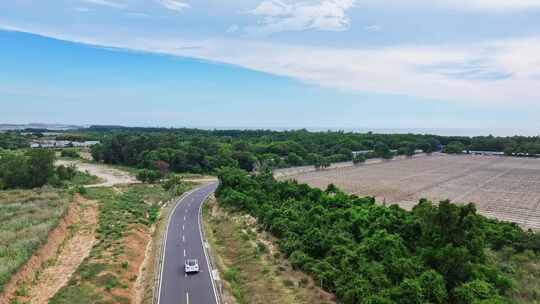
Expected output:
{"points": [[454, 147], [162, 166], [97, 152], [40, 167], [382, 150], [359, 159], [148, 176]]}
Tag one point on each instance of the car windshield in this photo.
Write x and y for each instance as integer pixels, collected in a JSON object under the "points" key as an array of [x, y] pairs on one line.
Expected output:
{"points": [[191, 262]]}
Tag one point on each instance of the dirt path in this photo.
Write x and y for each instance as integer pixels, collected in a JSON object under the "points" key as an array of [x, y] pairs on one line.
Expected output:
{"points": [[110, 175], [53, 264]]}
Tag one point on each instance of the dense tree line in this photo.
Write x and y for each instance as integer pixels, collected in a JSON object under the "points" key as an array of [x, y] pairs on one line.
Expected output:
{"points": [[31, 169], [195, 150], [368, 253], [515, 145], [189, 150]]}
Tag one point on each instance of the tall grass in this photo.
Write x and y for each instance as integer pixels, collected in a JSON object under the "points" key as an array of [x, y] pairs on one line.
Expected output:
{"points": [[26, 217]]}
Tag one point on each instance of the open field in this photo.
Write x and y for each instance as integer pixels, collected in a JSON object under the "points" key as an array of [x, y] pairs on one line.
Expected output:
{"points": [[26, 218], [502, 187], [109, 175]]}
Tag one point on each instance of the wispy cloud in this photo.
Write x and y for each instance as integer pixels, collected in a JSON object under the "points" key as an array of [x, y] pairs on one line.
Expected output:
{"points": [[280, 16], [107, 3], [174, 5], [479, 5], [451, 73], [137, 14], [446, 72], [373, 28], [469, 70]]}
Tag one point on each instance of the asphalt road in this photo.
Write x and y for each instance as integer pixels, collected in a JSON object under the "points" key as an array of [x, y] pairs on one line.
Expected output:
{"points": [[184, 241]]}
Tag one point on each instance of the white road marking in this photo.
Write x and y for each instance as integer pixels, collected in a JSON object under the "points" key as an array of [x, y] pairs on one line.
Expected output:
{"points": [[182, 227], [187, 297], [184, 252], [183, 238], [165, 240], [184, 217]]}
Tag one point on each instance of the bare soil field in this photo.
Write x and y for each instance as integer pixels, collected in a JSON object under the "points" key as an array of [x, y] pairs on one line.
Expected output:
{"points": [[505, 188], [111, 176]]}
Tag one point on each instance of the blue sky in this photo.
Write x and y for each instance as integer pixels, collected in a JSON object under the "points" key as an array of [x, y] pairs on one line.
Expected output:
{"points": [[272, 63]]}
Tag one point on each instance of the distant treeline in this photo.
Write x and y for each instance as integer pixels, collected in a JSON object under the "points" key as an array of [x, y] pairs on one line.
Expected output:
{"points": [[191, 150], [13, 140], [200, 151], [368, 253]]}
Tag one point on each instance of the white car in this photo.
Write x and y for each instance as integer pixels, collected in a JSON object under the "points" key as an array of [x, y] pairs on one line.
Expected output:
{"points": [[191, 266]]}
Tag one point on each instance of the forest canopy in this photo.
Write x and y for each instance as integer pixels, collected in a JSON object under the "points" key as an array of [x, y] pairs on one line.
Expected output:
{"points": [[205, 151], [369, 253]]}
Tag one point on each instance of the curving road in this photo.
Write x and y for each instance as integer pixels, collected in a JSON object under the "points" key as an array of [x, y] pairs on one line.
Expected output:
{"points": [[183, 240]]}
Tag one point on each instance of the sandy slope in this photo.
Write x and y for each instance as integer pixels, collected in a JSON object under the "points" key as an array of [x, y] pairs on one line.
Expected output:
{"points": [[110, 175]]}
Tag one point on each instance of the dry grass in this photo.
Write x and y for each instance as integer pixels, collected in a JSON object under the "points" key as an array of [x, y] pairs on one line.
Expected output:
{"points": [[524, 269], [111, 271], [251, 266], [506, 188], [26, 218]]}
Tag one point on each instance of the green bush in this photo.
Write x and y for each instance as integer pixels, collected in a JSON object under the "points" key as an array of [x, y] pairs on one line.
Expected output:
{"points": [[70, 153], [30, 170], [362, 251]]}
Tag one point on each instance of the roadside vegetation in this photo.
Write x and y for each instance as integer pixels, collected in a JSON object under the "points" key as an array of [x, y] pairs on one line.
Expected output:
{"points": [[250, 264], [368, 253], [126, 218], [34, 196], [26, 218]]}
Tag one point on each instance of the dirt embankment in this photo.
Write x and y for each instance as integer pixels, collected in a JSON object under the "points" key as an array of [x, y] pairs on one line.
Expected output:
{"points": [[50, 268]]}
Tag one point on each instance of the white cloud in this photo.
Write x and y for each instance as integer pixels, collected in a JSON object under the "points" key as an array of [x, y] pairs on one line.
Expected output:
{"points": [[323, 15], [497, 72], [504, 72], [495, 4], [108, 3], [174, 5], [480, 5]]}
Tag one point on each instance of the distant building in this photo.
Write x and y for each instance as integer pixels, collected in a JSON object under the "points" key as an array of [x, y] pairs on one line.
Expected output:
{"points": [[361, 152], [59, 144], [85, 143], [476, 152]]}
